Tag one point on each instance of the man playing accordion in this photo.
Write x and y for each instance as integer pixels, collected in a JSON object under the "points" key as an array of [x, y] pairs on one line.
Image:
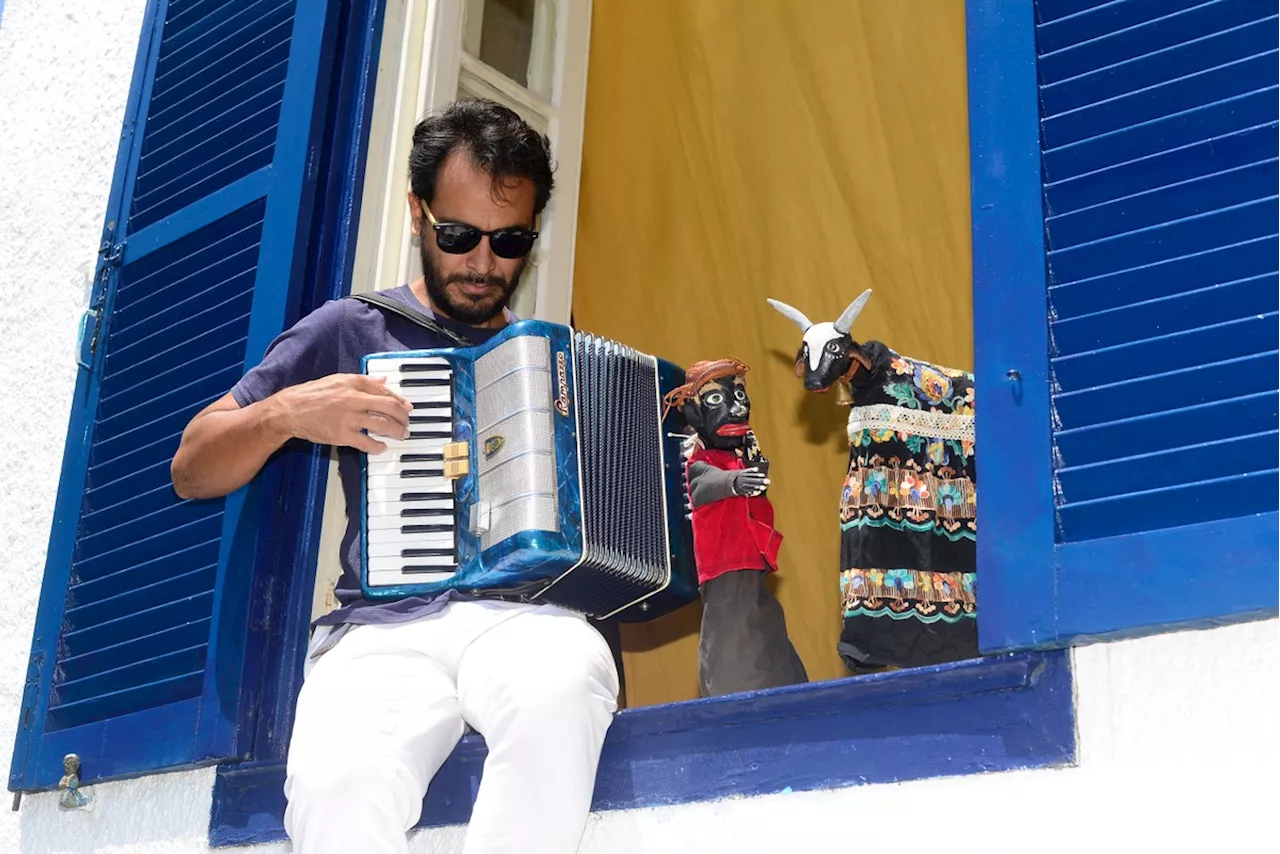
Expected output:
{"points": [[536, 680]]}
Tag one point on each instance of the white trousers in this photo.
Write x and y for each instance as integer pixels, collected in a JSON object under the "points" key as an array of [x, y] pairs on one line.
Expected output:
{"points": [[380, 712]]}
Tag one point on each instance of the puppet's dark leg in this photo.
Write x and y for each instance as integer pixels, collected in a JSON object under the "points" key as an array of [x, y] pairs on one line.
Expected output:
{"points": [[744, 644]]}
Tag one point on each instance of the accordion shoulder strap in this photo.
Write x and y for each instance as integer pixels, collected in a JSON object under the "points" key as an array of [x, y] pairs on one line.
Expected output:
{"points": [[412, 314]]}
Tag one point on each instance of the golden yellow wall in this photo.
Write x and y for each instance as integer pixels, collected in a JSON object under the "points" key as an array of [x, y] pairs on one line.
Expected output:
{"points": [[798, 149]]}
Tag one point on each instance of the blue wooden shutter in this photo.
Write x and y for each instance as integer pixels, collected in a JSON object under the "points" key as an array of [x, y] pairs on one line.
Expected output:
{"points": [[137, 657], [1125, 296]]}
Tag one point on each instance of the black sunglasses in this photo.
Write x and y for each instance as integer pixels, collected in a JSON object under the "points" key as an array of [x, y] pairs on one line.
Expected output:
{"points": [[458, 238]]}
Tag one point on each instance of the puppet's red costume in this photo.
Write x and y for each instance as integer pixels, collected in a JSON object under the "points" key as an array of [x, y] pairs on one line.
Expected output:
{"points": [[719, 544]]}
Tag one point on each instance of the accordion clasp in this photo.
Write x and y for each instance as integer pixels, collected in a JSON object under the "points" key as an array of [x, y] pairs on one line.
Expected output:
{"points": [[457, 460], [480, 517]]}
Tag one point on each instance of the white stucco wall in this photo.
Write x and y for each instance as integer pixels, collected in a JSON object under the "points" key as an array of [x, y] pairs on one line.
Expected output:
{"points": [[1178, 733], [65, 67]]}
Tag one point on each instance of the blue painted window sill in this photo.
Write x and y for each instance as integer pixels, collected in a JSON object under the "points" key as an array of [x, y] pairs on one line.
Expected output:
{"points": [[994, 714]]}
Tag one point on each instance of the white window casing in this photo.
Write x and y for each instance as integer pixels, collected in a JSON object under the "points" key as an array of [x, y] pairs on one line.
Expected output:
{"points": [[424, 66], [429, 57]]}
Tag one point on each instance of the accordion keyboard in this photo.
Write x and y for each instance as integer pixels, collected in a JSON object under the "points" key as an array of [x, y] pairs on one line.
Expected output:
{"points": [[410, 503]]}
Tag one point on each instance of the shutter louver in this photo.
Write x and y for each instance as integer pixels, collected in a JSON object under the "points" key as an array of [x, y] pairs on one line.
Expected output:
{"points": [[216, 103], [143, 610], [1158, 125], [142, 581], [1126, 307]]}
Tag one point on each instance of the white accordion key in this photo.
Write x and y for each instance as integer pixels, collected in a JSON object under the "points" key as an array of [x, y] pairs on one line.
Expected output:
{"points": [[390, 543], [432, 483], [397, 515], [408, 492], [411, 506], [432, 468], [421, 394], [387, 571]]}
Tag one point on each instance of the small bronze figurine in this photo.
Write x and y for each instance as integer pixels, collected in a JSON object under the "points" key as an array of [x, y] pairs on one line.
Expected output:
{"points": [[70, 797]]}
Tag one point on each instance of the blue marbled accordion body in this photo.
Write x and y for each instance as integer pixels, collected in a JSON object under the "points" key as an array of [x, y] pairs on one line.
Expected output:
{"points": [[574, 490]]}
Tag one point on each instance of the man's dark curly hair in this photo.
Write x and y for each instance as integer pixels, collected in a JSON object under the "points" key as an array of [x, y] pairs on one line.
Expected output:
{"points": [[496, 139]]}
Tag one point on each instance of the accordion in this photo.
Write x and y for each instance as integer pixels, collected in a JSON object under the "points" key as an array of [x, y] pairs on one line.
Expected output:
{"points": [[539, 467]]}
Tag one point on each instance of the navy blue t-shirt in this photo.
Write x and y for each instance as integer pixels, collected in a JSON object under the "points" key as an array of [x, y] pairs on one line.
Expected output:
{"points": [[332, 340]]}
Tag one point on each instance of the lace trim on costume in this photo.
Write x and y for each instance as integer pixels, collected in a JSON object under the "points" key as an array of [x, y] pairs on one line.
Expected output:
{"points": [[916, 422]]}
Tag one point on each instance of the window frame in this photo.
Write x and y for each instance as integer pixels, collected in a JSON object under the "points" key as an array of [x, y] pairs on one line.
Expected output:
{"points": [[784, 739], [1009, 280], [747, 744], [284, 576], [1036, 592], [1012, 712], [427, 73]]}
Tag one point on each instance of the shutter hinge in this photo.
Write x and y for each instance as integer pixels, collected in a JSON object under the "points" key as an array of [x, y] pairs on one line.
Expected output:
{"points": [[27, 716], [87, 340], [34, 666], [110, 254]]}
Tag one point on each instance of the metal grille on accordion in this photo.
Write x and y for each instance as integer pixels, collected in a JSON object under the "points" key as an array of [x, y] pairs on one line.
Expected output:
{"points": [[539, 467]]}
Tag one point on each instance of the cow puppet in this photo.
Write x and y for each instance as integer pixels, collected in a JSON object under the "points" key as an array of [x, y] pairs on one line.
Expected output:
{"points": [[743, 643], [908, 505]]}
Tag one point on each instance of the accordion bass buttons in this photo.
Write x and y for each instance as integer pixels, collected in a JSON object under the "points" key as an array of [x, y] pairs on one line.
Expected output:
{"points": [[456, 460]]}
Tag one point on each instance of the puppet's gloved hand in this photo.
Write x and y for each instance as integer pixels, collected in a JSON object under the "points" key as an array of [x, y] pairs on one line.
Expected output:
{"points": [[753, 455], [750, 482]]}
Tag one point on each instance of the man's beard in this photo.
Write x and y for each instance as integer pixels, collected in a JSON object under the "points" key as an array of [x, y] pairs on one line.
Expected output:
{"points": [[463, 307]]}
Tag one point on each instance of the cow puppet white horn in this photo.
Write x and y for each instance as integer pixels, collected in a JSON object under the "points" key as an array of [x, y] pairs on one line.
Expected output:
{"points": [[793, 314], [845, 323]]}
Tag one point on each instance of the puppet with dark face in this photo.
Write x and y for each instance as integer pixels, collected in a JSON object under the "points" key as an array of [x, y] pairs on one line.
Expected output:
{"points": [[720, 413], [744, 644]]}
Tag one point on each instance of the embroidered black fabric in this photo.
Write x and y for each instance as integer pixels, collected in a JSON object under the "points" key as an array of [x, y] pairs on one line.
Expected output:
{"points": [[908, 522]]}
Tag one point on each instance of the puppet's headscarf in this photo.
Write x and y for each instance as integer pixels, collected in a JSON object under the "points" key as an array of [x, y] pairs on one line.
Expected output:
{"points": [[698, 375]]}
